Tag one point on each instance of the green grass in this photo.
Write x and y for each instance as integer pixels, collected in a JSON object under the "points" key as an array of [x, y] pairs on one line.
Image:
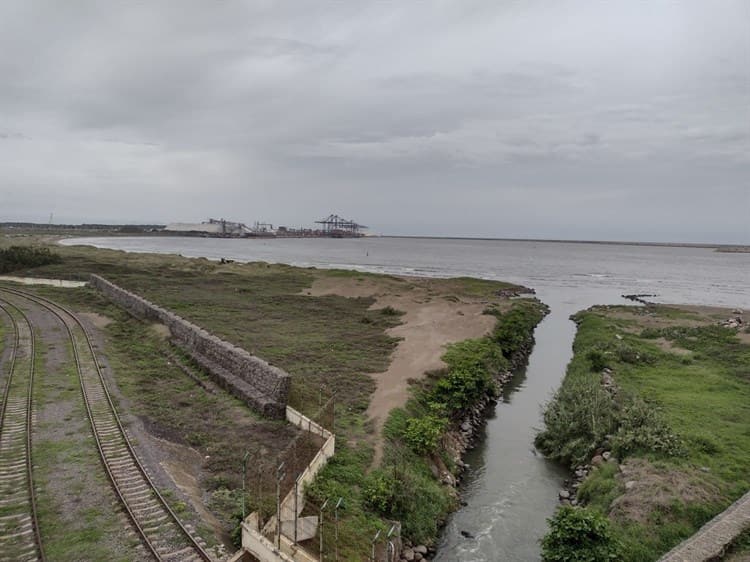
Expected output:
{"points": [[701, 400], [174, 406], [740, 548], [328, 341]]}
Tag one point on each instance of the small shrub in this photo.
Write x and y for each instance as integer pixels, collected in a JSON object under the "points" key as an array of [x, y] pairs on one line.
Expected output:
{"points": [[389, 311], [598, 360], [642, 429], [423, 434], [462, 387], [577, 420], [379, 491], [515, 328], [580, 535], [627, 354], [651, 333]]}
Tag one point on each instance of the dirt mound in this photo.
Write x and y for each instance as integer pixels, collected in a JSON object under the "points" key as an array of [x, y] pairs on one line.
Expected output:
{"points": [[652, 488]]}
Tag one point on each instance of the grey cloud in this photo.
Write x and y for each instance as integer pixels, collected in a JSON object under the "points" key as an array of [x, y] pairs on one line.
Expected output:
{"points": [[281, 112]]}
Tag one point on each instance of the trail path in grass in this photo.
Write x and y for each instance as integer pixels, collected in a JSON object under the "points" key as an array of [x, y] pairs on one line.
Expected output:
{"points": [[430, 321]]}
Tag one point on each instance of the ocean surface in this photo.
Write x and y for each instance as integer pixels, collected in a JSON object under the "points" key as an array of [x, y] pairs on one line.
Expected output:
{"points": [[510, 489]]}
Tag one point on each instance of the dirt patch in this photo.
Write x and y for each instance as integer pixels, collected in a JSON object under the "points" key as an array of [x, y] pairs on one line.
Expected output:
{"points": [[432, 319], [161, 330], [183, 465], [670, 347], [650, 489], [96, 319]]}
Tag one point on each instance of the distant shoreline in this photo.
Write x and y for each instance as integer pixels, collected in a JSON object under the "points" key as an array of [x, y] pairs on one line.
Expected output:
{"points": [[729, 248], [74, 231]]}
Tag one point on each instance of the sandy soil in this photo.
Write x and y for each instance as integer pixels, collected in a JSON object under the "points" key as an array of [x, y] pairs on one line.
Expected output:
{"points": [[40, 281], [180, 464], [430, 322], [98, 320]]}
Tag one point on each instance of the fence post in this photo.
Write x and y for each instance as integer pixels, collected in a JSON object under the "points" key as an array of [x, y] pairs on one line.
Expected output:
{"points": [[320, 528], [296, 490], [280, 474], [391, 548], [374, 540], [244, 477], [336, 516]]}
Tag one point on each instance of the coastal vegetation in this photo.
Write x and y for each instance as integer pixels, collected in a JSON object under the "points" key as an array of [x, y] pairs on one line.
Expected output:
{"points": [[410, 484], [327, 342], [14, 258], [662, 392]]}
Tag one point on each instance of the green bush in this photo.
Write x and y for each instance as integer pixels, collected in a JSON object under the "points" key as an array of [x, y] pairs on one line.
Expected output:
{"points": [[515, 328], [461, 388], [379, 491], [642, 429], [407, 492], [471, 355], [390, 311], [580, 535], [598, 360], [23, 257], [423, 434], [577, 420]]}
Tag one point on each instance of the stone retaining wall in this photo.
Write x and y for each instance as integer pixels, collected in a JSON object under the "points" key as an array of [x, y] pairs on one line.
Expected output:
{"points": [[263, 387], [710, 542]]}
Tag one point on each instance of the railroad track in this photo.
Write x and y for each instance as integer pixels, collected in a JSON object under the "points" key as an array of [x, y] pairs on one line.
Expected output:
{"points": [[162, 532], [19, 528]]}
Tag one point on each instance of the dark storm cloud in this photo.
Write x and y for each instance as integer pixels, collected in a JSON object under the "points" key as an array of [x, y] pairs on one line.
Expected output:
{"points": [[573, 119]]}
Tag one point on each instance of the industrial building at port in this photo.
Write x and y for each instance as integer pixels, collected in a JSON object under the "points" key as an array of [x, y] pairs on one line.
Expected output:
{"points": [[332, 226]]}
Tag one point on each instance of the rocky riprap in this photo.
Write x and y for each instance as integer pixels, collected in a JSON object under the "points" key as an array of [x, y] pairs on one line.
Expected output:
{"points": [[735, 322], [419, 552], [568, 495]]}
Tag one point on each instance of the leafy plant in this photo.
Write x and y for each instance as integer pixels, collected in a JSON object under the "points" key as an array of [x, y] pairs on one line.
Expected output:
{"points": [[379, 491], [641, 428], [423, 434], [580, 535], [598, 359], [577, 419]]}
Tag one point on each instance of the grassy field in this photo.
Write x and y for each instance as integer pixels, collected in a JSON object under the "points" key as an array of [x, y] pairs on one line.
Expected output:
{"points": [[331, 341], [678, 423]]}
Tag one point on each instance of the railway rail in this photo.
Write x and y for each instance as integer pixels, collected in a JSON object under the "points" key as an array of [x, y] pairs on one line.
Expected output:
{"points": [[161, 531], [19, 527]]}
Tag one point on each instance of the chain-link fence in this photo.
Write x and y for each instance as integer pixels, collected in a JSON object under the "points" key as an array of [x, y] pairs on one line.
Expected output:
{"points": [[322, 530], [341, 537]]}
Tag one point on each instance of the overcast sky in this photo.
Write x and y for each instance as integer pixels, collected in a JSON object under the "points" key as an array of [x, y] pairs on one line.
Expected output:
{"points": [[586, 120]]}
